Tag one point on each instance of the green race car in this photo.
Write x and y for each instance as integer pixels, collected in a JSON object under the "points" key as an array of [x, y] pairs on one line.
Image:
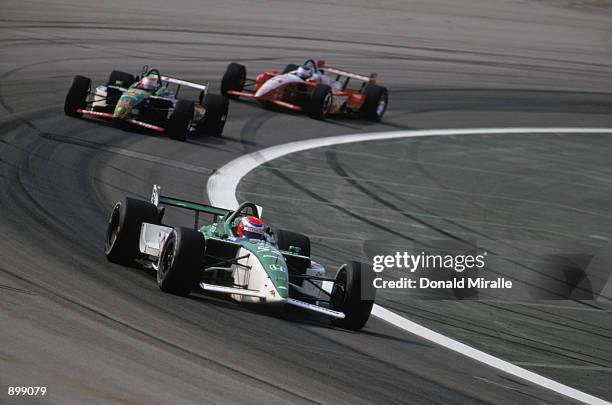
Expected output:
{"points": [[237, 256], [148, 102]]}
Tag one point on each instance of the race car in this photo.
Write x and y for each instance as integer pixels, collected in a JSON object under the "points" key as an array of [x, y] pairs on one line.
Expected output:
{"points": [[311, 87], [148, 102], [236, 256]]}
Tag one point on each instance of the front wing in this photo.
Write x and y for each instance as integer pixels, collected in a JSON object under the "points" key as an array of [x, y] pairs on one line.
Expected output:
{"points": [[130, 120]]}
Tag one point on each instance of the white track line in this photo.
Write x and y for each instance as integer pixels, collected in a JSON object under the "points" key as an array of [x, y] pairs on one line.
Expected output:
{"points": [[222, 185]]}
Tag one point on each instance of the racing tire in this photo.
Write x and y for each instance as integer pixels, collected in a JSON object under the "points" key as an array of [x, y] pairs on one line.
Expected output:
{"points": [[215, 115], [121, 79], [76, 97], [320, 102], [375, 104], [233, 79], [178, 123], [123, 231], [353, 294], [181, 261], [285, 239], [290, 67]]}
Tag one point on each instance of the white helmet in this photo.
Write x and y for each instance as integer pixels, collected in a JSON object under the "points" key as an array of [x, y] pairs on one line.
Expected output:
{"points": [[304, 72], [149, 82]]}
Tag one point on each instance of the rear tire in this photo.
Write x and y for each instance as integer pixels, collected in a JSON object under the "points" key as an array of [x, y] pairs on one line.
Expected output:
{"points": [[121, 79], [77, 96], [320, 102], [123, 230], [215, 115], [375, 104], [353, 294], [181, 261], [233, 79], [178, 123], [290, 68]]}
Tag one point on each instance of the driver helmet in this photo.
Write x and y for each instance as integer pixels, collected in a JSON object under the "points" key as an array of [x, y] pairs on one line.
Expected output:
{"points": [[149, 82], [304, 72], [250, 227]]}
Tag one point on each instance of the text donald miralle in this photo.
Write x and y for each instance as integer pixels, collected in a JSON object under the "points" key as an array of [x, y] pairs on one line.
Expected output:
{"points": [[412, 263]]}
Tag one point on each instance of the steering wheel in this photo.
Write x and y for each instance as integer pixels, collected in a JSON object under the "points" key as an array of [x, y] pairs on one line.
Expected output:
{"points": [[239, 212]]}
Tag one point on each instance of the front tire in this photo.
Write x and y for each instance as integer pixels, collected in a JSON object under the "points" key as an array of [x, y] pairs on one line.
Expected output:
{"points": [[320, 102], [375, 104], [215, 115], [233, 79], [123, 230], [178, 123], [181, 261], [353, 294], [77, 96]]}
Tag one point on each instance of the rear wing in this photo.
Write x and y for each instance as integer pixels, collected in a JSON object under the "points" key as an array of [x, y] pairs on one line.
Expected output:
{"points": [[185, 83], [157, 198], [179, 83], [371, 79]]}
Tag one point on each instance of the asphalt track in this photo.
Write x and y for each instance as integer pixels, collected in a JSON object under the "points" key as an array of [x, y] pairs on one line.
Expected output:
{"points": [[95, 332]]}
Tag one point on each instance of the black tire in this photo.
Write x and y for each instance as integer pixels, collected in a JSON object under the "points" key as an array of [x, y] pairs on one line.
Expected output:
{"points": [[320, 102], [285, 239], [353, 294], [121, 79], [233, 79], [77, 96], [375, 104], [215, 116], [178, 123], [290, 67], [181, 261], [123, 230]]}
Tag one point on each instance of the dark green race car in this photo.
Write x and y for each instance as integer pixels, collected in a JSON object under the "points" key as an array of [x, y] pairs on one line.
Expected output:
{"points": [[148, 102], [271, 268]]}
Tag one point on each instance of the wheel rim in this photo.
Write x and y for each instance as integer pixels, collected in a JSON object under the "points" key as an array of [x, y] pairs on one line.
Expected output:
{"points": [[339, 290], [382, 106], [327, 101], [113, 229], [167, 259]]}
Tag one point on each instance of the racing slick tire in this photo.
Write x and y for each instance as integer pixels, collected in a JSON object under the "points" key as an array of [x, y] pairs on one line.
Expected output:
{"points": [[290, 68], [178, 123], [123, 231], [320, 102], [375, 104], [285, 239], [181, 261], [353, 294], [215, 115], [121, 79], [233, 79], [77, 96]]}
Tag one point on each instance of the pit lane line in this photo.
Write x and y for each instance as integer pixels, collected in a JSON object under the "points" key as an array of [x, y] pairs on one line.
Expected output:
{"points": [[222, 185]]}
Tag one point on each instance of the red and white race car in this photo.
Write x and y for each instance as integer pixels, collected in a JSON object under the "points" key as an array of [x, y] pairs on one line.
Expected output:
{"points": [[311, 87]]}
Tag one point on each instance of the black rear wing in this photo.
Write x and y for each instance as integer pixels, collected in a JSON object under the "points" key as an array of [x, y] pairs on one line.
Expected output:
{"points": [[157, 198]]}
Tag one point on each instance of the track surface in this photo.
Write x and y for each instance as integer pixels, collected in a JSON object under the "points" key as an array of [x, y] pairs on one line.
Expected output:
{"points": [[91, 331]]}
